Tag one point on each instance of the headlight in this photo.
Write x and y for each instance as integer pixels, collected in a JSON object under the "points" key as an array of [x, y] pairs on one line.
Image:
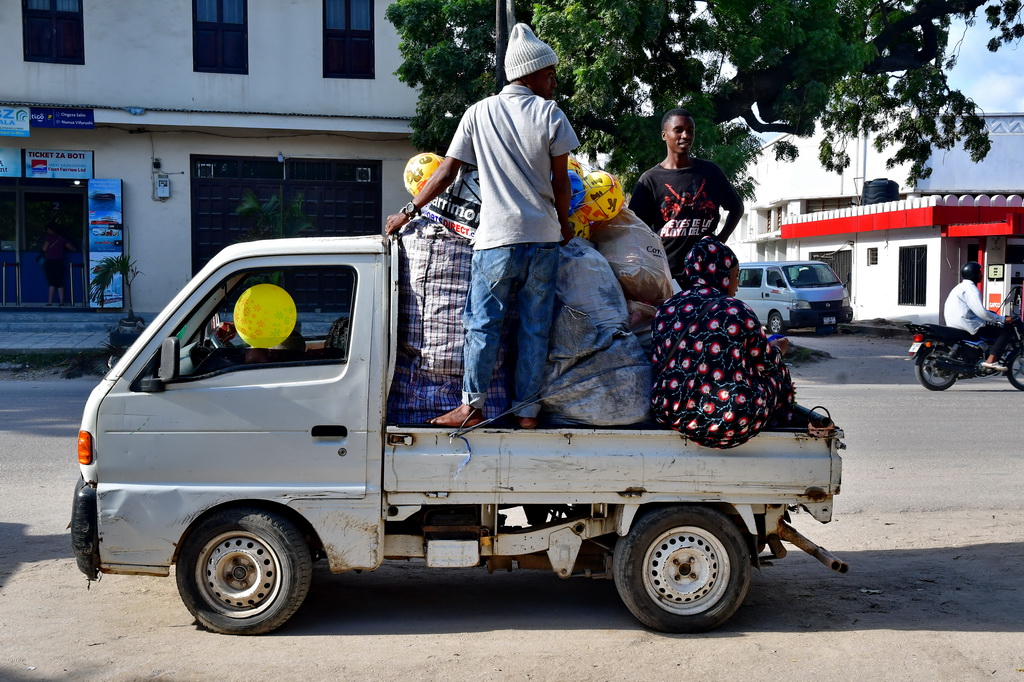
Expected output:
{"points": [[846, 301], [801, 305]]}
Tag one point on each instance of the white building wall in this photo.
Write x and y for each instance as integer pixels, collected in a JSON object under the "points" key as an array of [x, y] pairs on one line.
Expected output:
{"points": [[137, 57]]}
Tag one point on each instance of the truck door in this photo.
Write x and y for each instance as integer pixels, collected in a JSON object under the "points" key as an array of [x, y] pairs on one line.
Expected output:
{"points": [[288, 416]]}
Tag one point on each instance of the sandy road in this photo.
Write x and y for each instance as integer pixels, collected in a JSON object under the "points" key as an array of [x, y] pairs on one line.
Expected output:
{"points": [[929, 519]]}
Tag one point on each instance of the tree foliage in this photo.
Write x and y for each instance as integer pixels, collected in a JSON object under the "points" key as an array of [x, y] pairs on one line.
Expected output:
{"points": [[742, 67]]}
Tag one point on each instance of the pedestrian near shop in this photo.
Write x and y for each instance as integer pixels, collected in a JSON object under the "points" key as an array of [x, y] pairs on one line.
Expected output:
{"points": [[55, 245]]}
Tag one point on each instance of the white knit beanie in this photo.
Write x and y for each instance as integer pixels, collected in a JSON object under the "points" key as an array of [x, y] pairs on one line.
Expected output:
{"points": [[526, 53]]}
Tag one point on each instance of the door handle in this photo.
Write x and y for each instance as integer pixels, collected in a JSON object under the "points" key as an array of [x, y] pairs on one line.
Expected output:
{"points": [[328, 431]]}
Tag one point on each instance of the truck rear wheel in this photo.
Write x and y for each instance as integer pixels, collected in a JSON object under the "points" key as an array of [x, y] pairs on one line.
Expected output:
{"points": [[682, 569], [244, 571]]}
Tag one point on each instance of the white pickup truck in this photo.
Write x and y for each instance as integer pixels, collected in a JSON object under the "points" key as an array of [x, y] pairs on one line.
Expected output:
{"points": [[242, 466]]}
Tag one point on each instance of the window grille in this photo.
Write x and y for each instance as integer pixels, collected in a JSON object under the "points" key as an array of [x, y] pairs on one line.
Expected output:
{"points": [[913, 276]]}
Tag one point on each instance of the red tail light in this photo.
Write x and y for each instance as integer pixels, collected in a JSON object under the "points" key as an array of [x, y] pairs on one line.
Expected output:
{"points": [[918, 338]]}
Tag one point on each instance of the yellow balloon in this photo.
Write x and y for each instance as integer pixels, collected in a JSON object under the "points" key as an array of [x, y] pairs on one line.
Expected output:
{"points": [[264, 315], [574, 165], [580, 225], [418, 170], [604, 196]]}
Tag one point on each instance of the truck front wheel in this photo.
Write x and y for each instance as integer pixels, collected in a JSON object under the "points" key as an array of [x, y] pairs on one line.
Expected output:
{"points": [[244, 571], [682, 569]]}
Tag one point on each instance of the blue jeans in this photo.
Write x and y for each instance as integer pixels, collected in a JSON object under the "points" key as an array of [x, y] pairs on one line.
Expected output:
{"points": [[496, 275]]}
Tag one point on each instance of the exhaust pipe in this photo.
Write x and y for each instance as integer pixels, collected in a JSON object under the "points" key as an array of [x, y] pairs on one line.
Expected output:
{"points": [[953, 366], [793, 536]]}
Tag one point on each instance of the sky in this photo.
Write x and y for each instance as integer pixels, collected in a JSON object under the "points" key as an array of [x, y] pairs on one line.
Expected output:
{"points": [[994, 81]]}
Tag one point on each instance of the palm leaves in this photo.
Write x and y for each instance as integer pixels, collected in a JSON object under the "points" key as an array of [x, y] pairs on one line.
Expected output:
{"points": [[273, 218], [103, 274]]}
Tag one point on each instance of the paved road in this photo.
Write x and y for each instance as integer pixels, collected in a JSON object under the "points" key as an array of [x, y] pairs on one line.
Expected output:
{"points": [[929, 518]]}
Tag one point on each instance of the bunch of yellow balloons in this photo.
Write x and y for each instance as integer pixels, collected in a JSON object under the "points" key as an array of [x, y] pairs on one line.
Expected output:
{"points": [[601, 198], [596, 195]]}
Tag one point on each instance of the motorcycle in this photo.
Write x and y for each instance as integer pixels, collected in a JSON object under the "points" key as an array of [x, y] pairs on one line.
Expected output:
{"points": [[942, 355]]}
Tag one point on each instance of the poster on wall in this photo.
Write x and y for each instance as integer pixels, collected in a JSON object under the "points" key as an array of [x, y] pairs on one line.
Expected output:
{"points": [[106, 236], [10, 163]]}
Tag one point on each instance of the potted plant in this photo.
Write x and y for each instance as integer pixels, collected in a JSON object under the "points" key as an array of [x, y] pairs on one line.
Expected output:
{"points": [[103, 274]]}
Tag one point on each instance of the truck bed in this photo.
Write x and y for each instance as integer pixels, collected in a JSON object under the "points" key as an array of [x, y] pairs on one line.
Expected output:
{"points": [[601, 465]]}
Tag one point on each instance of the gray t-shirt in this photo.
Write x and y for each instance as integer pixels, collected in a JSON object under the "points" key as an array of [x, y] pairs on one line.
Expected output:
{"points": [[511, 138]]}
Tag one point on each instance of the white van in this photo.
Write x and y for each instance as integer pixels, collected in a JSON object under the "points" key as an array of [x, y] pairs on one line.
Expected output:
{"points": [[786, 294]]}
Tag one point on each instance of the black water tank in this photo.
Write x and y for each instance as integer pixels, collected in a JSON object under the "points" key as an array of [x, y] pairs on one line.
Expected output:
{"points": [[879, 191]]}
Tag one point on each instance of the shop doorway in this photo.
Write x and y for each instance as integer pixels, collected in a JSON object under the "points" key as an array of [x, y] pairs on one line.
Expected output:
{"points": [[25, 213]]}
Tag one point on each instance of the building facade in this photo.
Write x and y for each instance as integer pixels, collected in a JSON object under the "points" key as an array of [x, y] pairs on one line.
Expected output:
{"points": [[900, 251], [148, 122]]}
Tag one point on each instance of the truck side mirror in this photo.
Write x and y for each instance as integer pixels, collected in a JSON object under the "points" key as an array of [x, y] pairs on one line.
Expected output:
{"points": [[170, 359]]}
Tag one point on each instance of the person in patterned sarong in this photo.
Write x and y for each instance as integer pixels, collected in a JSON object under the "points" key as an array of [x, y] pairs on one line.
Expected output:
{"points": [[717, 378]]}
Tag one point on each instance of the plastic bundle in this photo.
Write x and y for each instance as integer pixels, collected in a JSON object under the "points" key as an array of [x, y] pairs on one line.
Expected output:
{"points": [[636, 255], [597, 374]]}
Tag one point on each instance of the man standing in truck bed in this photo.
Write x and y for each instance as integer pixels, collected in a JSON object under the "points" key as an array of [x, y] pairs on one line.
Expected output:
{"points": [[520, 142], [680, 198]]}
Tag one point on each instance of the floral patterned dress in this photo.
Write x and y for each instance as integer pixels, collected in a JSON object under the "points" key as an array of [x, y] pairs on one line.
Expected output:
{"points": [[717, 379]]}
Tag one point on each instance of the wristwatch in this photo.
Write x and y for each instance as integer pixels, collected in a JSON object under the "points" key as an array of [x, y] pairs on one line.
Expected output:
{"points": [[410, 210]]}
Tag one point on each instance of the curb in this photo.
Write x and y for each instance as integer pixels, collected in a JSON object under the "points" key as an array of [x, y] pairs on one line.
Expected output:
{"points": [[884, 332]]}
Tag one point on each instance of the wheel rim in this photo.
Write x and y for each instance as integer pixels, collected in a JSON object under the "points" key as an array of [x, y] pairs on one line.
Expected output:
{"points": [[774, 324], [932, 374], [686, 571], [238, 574]]}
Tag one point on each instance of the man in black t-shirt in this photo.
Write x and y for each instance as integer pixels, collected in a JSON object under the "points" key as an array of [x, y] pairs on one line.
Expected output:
{"points": [[680, 198]]}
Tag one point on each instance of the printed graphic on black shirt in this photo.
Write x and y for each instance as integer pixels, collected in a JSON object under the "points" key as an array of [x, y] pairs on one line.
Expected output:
{"points": [[691, 213]]}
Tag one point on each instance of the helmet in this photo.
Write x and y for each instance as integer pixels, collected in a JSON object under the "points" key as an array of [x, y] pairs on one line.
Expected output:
{"points": [[971, 270]]}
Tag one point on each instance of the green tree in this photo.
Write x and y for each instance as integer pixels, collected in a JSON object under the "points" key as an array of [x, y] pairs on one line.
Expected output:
{"points": [[742, 67]]}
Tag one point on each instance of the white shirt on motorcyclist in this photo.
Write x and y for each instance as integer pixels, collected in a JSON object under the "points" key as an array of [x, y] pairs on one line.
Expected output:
{"points": [[965, 310]]}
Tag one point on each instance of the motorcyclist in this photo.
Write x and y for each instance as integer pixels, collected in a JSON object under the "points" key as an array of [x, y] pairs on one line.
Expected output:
{"points": [[965, 310]]}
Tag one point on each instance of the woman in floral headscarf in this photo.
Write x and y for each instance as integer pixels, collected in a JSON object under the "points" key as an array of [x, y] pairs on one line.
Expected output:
{"points": [[717, 378]]}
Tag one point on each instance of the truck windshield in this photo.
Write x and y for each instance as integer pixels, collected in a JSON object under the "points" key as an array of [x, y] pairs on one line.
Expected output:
{"points": [[805, 275]]}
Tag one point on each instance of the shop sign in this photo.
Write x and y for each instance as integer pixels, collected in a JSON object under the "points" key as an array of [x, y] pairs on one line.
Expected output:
{"points": [[14, 121], [10, 163], [49, 117], [57, 163]]}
